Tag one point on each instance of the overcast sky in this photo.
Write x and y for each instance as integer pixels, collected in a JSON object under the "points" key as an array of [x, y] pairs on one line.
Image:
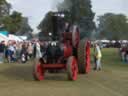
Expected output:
{"points": [[36, 9]]}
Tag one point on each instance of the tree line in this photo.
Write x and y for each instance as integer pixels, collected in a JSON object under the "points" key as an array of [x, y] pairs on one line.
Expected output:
{"points": [[113, 26], [13, 22], [77, 12], [110, 26]]}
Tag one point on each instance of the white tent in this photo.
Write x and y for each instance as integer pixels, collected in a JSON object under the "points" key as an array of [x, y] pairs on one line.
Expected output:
{"points": [[104, 41], [23, 37], [14, 38], [3, 38]]}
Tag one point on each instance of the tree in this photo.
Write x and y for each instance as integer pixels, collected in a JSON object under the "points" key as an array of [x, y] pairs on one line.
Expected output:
{"points": [[52, 23], [12, 22], [76, 12], [2, 1], [113, 26], [80, 13], [46, 25], [4, 9], [24, 27]]}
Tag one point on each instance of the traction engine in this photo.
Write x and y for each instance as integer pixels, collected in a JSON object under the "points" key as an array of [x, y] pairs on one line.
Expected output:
{"points": [[68, 53]]}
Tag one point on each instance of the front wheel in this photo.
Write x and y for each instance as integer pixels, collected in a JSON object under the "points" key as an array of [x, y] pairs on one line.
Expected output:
{"points": [[38, 72], [72, 68]]}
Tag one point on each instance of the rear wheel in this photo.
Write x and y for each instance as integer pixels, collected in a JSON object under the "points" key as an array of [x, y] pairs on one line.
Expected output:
{"points": [[38, 72], [72, 68], [84, 57], [81, 57]]}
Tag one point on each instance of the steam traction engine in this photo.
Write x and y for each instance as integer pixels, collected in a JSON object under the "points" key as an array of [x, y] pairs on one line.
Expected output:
{"points": [[65, 53]]}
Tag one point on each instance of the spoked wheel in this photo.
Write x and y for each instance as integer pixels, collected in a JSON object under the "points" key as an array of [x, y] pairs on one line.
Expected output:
{"points": [[38, 72], [72, 68], [84, 57], [75, 37]]}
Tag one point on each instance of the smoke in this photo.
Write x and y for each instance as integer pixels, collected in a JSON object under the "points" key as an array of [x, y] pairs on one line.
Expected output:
{"points": [[55, 4]]}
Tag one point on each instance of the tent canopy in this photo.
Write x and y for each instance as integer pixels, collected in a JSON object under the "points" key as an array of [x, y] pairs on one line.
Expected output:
{"points": [[3, 38], [14, 38]]}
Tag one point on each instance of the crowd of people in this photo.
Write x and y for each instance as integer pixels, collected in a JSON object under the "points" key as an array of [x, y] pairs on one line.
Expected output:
{"points": [[22, 52], [124, 53], [19, 51]]}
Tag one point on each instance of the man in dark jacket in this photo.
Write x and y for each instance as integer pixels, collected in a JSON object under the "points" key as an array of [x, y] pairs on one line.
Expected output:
{"points": [[2, 49]]}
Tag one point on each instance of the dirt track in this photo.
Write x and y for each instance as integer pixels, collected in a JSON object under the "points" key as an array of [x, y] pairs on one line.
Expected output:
{"points": [[16, 80]]}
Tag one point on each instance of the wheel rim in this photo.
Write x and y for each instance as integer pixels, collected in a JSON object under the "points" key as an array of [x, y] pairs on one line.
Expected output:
{"points": [[87, 67], [74, 69], [39, 72]]}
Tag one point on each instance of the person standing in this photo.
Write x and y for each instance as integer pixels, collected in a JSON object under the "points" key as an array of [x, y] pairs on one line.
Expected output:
{"points": [[30, 50], [34, 50], [2, 49], [98, 56], [11, 52], [23, 53], [18, 51], [38, 50]]}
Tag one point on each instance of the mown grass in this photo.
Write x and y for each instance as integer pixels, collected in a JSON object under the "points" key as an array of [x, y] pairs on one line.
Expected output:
{"points": [[17, 80]]}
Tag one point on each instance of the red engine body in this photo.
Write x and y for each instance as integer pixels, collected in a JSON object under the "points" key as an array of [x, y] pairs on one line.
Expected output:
{"points": [[70, 42]]}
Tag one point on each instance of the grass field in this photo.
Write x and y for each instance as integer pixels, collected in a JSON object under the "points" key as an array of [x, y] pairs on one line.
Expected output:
{"points": [[16, 80]]}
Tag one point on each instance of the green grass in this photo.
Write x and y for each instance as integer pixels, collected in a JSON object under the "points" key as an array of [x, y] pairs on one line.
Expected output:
{"points": [[17, 80]]}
